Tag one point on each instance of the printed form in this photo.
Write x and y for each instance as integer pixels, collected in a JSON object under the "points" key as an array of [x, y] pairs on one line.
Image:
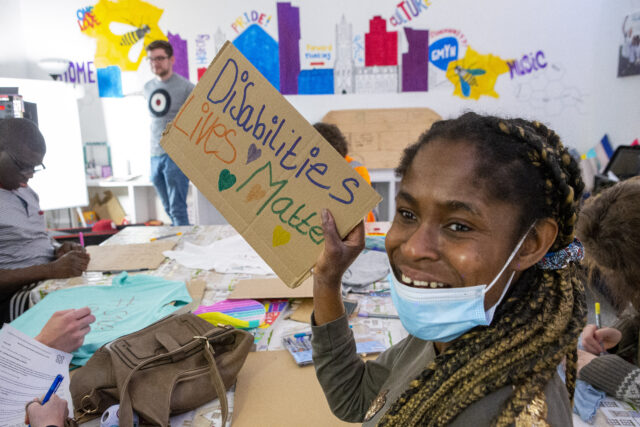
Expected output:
{"points": [[27, 370]]}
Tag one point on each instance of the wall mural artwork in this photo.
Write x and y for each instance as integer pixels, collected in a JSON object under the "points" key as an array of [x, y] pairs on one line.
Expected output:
{"points": [[389, 54], [476, 74], [126, 27], [629, 54]]}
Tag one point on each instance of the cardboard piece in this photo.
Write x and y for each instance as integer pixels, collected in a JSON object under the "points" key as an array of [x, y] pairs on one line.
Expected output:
{"points": [[196, 288], [377, 137], [270, 288], [303, 312], [108, 207], [273, 391], [139, 256], [263, 166]]}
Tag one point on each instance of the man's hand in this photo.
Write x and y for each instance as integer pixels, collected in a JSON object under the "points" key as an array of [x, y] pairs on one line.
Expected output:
{"points": [[596, 341], [52, 413], [71, 264], [66, 329], [68, 247]]}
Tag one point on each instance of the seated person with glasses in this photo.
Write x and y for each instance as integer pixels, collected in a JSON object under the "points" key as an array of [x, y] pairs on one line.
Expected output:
{"points": [[27, 253]]}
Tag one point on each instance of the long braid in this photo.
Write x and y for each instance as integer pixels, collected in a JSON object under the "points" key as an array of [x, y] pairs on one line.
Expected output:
{"points": [[537, 325]]}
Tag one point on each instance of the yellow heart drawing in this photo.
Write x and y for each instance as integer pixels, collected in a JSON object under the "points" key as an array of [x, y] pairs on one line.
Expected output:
{"points": [[256, 193], [280, 236]]}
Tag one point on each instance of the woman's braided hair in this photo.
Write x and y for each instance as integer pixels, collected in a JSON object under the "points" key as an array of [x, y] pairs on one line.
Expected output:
{"points": [[536, 327]]}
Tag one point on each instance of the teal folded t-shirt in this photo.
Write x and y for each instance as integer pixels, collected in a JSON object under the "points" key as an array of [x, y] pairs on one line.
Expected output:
{"points": [[129, 304]]}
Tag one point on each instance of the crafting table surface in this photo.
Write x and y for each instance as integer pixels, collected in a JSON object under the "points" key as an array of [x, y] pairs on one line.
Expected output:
{"points": [[218, 287]]}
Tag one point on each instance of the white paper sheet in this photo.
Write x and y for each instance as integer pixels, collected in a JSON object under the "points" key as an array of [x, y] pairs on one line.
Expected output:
{"points": [[27, 370], [230, 255]]}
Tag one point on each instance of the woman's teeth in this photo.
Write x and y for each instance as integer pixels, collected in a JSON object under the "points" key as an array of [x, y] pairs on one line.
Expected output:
{"points": [[420, 283]]}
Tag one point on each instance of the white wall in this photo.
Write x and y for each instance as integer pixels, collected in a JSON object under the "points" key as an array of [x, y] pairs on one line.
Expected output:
{"points": [[580, 95]]}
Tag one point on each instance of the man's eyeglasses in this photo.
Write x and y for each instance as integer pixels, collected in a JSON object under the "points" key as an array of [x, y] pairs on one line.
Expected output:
{"points": [[22, 168], [156, 58]]}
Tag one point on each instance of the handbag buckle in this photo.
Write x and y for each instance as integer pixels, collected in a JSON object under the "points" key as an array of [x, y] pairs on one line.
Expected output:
{"points": [[82, 409], [206, 340]]}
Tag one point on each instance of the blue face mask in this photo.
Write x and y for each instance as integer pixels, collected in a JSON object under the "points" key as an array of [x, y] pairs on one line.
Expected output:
{"points": [[443, 315]]}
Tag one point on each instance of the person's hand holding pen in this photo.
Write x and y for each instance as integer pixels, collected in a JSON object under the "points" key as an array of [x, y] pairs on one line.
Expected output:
{"points": [[596, 339], [51, 412]]}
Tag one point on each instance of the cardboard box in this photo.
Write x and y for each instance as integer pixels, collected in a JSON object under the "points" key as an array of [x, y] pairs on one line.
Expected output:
{"points": [[263, 166], [377, 137], [108, 207]]}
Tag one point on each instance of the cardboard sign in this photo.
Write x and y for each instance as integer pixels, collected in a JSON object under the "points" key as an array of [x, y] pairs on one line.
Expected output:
{"points": [[377, 137], [263, 166]]}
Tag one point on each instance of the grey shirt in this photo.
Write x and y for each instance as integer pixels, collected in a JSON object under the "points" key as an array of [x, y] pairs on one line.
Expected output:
{"points": [[164, 100], [350, 384], [24, 241]]}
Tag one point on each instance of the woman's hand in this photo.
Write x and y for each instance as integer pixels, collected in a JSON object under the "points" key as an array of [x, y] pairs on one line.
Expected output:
{"points": [[52, 413], [584, 358], [334, 260], [596, 341]]}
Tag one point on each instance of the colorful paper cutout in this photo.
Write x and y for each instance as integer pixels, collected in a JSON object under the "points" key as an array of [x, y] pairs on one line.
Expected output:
{"points": [[126, 27], [476, 74]]}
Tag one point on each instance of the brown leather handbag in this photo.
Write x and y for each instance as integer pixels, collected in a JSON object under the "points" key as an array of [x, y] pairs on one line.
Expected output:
{"points": [[172, 366]]}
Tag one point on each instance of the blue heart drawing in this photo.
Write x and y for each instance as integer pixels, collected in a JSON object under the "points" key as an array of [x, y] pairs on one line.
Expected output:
{"points": [[254, 153]]}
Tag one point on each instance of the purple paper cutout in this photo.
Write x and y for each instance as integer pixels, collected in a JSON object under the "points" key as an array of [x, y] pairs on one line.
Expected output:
{"points": [[415, 63], [289, 40], [181, 66]]}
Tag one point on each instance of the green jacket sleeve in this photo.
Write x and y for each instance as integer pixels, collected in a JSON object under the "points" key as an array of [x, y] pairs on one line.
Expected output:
{"points": [[349, 383]]}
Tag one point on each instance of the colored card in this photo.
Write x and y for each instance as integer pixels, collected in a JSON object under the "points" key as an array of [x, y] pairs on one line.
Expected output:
{"points": [[263, 166]]}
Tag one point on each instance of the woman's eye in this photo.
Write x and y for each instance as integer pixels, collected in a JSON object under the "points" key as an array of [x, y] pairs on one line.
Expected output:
{"points": [[407, 215], [458, 227]]}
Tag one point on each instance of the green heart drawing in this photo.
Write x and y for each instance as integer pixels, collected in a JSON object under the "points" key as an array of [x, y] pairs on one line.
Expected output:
{"points": [[226, 180]]}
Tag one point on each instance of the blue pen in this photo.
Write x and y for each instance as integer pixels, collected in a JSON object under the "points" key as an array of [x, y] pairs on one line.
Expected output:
{"points": [[302, 334], [53, 388]]}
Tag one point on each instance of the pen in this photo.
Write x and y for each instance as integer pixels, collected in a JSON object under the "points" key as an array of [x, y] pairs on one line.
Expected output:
{"points": [[53, 388], [302, 334], [81, 238], [599, 325], [179, 233], [378, 316]]}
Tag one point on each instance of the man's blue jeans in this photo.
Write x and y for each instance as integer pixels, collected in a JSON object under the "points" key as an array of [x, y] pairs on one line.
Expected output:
{"points": [[172, 187]]}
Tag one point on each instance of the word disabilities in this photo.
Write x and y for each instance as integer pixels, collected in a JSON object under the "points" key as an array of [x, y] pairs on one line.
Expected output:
{"points": [[263, 166]]}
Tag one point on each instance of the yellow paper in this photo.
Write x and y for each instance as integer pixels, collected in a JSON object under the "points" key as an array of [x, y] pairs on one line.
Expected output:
{"points": [[475, 74]]}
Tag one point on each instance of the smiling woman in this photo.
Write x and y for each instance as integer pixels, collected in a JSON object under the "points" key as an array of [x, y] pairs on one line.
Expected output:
{"points": [[482, 202]]}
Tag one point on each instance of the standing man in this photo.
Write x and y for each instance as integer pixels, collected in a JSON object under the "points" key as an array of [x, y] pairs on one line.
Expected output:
{"points": [[165, 95]]}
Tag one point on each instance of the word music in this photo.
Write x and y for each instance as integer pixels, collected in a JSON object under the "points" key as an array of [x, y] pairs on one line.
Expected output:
{"points": [[527, 64]]}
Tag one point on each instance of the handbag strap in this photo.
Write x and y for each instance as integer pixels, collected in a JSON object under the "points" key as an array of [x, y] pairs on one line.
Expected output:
{"points": [[126, 409]]}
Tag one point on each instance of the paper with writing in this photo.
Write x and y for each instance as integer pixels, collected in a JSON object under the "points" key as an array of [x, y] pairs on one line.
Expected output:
{"points": [[27, 370], [263, 166]]}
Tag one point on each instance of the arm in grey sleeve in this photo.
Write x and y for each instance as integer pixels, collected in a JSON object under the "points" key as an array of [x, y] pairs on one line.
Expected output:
{"points": [[349, 383], [615, 376]]}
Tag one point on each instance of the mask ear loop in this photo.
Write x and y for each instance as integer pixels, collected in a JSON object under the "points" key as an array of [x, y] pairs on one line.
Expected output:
{"points": [[506, 264]]}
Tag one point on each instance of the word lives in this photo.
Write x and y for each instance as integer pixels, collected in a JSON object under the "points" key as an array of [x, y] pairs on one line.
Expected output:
{"points": [[249, 18], [407, 10], [527, 64], [86, 18]]}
